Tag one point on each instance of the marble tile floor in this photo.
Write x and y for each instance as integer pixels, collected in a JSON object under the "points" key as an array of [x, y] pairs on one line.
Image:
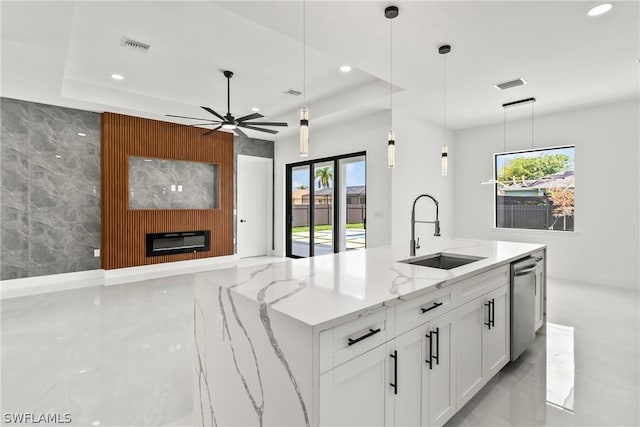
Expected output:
{"points": [[123, 356]]}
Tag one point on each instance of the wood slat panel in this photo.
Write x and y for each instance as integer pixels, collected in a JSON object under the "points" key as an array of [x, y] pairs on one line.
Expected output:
{"points": [[124, 230]]}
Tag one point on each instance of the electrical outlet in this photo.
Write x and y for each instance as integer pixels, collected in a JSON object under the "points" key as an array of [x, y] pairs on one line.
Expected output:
{"points": [[173, 187], [96, 253], [179, 188]]}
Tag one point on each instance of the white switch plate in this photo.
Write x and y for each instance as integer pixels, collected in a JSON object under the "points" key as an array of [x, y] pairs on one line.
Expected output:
{"points": [[96, 253]]}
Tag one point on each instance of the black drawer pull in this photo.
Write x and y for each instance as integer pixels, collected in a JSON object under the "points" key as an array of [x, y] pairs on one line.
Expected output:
{"points": [[437, 356], [394, 384], [488, 322], [352, 341], [429, 361], [435, 305]]}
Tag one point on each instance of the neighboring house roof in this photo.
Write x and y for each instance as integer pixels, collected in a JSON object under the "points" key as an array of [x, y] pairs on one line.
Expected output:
{"points": [[564, 179], [356, 190]]}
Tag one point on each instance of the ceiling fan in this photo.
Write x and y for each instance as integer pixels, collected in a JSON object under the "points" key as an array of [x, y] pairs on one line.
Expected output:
{"points": [[229, 122]]}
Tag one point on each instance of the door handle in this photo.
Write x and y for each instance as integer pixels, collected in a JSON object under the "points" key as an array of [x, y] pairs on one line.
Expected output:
{"points": [[435, 305], [352, 341], [243, 220], [525, 271], [493, 312], [437, 356], [488, 305], [394, 384], [430, 360]]}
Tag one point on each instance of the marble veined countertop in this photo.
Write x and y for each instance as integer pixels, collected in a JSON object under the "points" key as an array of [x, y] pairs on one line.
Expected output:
{"points": [[328, 287]]}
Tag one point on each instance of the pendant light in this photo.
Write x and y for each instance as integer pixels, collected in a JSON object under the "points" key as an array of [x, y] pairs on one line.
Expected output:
{"points": [[444, 50], [390, 13], [304, 112], [504, 131]]}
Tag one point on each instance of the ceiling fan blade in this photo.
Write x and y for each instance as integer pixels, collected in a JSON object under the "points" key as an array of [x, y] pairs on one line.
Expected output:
{"points": [[249, 117], [192, 118], [246, 126], [213, 112], [211, 131], [269, 123], [196, 124], [239, 132]]}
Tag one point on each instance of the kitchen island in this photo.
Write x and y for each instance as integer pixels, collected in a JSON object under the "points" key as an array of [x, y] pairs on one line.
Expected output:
{"points": [[355, 338]]}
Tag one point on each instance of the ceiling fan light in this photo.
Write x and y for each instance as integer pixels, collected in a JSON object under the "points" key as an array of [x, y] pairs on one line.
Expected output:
{"points": [[229, 126], [304, 132]]}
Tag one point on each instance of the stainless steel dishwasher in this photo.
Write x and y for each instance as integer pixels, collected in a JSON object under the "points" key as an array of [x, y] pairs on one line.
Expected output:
{"points": [[523, 288]]}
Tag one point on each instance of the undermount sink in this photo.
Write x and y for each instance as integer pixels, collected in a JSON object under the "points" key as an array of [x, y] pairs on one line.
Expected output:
{"points": [[442, 261]]}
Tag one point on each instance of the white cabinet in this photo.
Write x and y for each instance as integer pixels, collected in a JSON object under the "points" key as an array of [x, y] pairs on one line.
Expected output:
{"points": [[438, 367], [408, 350], [355, 393], [482, 342]]}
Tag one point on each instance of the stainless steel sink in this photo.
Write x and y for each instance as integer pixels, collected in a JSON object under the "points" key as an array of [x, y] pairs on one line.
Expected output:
{"points": [[442, 261]]}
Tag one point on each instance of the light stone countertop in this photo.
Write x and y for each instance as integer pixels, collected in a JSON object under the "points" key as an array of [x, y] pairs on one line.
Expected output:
{"points": [[325, 288]]}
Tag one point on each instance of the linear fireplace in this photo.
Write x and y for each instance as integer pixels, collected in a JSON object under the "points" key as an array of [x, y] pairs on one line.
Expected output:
{"points": [[159, 244]]}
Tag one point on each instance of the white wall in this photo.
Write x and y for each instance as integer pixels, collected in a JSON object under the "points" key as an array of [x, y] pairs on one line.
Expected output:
{"points": [[418, 160], [367, 134], [390, 192], [604, 248]]}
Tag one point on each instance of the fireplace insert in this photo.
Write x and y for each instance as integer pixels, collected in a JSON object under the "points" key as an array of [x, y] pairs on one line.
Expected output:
{"points": [[159, 244]]}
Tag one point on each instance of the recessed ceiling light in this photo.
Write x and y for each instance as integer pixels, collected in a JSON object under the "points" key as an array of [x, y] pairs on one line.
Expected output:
{"points": [[82, 134], [600, 9], [345, 68], [58, 156], [255, 109], [117, 76]]}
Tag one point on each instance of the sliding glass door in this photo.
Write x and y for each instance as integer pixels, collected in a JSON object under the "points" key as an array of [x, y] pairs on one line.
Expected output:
{"points": [[326, 205]]}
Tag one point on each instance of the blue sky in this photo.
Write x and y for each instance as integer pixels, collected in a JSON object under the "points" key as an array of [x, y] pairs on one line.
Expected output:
{"points": [[502, 159], [356, 175]]}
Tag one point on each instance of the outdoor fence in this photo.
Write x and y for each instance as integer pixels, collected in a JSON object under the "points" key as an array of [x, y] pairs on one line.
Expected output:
{"points": [[356, 213], [538, 217]]}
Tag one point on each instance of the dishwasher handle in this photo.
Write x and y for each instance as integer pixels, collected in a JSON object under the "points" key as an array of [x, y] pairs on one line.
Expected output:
{"points": [[525, 271]]}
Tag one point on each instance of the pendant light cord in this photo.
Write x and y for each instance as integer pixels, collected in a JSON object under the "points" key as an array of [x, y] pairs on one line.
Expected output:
{"points": [[504, 130], [391, 70], [532, 127], [304, 53], [444, 100]]}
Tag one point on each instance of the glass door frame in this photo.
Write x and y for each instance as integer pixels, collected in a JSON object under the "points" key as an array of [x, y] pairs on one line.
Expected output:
{"points": [[288, 220]]}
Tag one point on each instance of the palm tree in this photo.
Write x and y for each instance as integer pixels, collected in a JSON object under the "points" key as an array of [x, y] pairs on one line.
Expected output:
{"points": [[325, 176]]}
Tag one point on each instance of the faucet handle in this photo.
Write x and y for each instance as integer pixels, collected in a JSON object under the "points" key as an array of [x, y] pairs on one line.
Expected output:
{"points": [[418, 243]]}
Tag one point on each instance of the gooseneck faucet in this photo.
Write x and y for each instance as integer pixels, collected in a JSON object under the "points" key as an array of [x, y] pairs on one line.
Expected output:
{"points": [[416, 245]]}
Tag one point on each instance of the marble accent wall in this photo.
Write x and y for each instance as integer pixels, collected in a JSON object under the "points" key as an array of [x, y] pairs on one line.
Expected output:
{"points": [[172, 184], [50, 189]]}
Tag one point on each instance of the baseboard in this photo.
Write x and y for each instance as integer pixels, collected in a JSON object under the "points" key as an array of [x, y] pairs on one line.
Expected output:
{"points": [[15, 288]]}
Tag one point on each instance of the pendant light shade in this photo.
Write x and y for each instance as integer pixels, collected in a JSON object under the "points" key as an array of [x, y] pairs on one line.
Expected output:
{"points": [[391, 150], [304, 112], [390, 13], [304, 132], [445, 165]]}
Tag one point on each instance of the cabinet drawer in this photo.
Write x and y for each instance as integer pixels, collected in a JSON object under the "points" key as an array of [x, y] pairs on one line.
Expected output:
{"points": [[344, 342], [418, 310], [476, 286]]}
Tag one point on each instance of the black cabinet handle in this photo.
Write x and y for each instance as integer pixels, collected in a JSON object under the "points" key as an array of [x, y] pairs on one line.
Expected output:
{"points": [[430, 360], [243, 220], [437, 356], [394, 384], [435, 305], [372, 332], [488, 322], [493, 312]]}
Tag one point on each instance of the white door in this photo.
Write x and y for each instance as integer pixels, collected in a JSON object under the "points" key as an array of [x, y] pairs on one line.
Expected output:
{"points": [[407, 393], [253, 216], [355, 393], [470, 323], [497, 350], [439, 378]]}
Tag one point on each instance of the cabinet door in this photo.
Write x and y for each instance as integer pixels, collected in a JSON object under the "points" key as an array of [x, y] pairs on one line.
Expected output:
{"points": [[408, 351], [496, 342], [470, 320], [438, 379], [354, 393], [539, 304]]}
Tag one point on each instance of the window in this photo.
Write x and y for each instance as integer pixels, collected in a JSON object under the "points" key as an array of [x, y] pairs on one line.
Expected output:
{"points": [[535, 189]]}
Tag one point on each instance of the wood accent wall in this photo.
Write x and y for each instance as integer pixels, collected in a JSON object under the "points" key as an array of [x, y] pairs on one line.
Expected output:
{"points": [[124, 230]]}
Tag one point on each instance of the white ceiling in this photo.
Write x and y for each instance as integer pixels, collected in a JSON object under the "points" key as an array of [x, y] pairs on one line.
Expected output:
{"points": [[64, 53]]}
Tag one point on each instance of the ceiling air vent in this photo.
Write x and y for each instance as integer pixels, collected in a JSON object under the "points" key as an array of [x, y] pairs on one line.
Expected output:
{"points": [[294, 92], [512, 83], [135, 45]]}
